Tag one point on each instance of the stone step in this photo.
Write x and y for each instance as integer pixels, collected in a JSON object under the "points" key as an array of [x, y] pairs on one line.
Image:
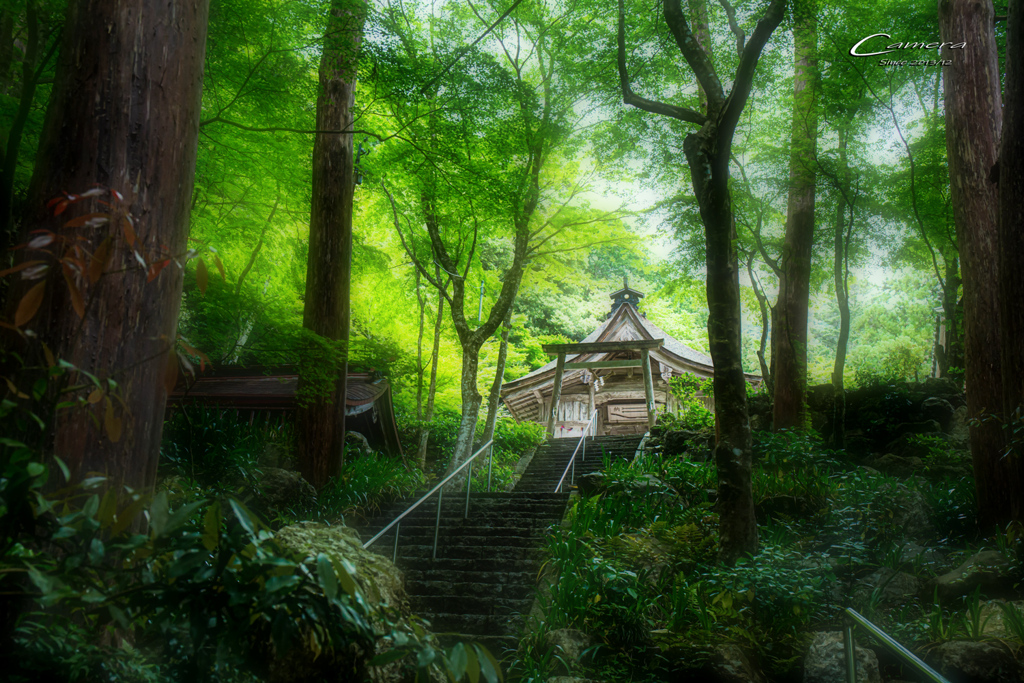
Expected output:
{"points": [[489, 605], [467, 552], [523, 589], [477, 624], [465, 566]]}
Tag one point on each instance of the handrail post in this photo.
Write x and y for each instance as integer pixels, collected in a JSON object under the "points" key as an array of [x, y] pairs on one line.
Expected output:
{"points": [[394, 555], [469, 483], [849, 652], [572, 477], [437, 523], [490, 461]]}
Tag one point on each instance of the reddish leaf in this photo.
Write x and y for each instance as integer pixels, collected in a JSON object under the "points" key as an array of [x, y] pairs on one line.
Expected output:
{"points": [[29, 304], [21, 266], [112, 423], [49, 204], [93, 219], [41, 241], [76, 295], [171, 371], [202, 277], [155, 268], [61, 208], [100, 257], [95, 396], [117, 194], [220, 267], [129, 231]]}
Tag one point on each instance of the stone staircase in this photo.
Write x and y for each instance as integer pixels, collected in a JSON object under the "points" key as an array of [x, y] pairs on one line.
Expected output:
{"points": [[482, 583]]}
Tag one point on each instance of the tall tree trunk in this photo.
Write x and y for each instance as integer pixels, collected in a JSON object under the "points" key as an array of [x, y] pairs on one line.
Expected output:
{"points": [[320, 422], [124, 114], [499, 378], [708, 152], [790, 352], [421, 453], [973, 121], [1011, 263], [737, 526], [841, 273]]}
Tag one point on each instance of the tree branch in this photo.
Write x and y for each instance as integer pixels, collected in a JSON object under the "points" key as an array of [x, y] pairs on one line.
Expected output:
{"points": [[734, 27], [694, 55], [744, 80], [634, 100]]}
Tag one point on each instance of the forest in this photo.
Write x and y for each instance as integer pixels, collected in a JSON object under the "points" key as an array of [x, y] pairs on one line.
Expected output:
{"points": [[272, 270]]}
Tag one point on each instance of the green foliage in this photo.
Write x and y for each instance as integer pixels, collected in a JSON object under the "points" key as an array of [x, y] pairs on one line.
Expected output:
{"points": [[793, 449], [216, 449], [364, 484]]}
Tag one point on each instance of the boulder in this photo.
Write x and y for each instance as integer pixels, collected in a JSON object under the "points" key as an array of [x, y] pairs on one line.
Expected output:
{"points": [[685, 441], [569, 644], [969, 661], [730, 665], [784, 507], [591, 483], [912, 514], [993, 618], [825, 661], [914, 553], [988, 570], [895, 587], [380, 580], [941, 386], [959, 432], [938, 409], [897, 466], [278, 490]]}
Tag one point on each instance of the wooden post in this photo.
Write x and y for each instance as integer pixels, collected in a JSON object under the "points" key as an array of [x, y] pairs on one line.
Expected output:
{"points": [[556, 394], [652, 415], [593, 399]]}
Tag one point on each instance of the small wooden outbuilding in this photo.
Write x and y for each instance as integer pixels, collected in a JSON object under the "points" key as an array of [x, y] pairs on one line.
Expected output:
{"points": [[621, 369], [260, 392]]}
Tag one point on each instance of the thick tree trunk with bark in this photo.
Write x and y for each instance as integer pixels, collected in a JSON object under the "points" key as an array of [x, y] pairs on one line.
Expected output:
{"points": [[790, 352], [320, 423], [973, 122], [124, 114], [737, 528], [1011, 264]]}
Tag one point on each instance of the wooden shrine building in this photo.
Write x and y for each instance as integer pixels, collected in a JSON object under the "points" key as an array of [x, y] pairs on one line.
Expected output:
{"points": [[621, 369]]}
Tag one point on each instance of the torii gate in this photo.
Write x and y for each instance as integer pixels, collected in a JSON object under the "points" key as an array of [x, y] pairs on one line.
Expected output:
{"points": [[644, 346]]}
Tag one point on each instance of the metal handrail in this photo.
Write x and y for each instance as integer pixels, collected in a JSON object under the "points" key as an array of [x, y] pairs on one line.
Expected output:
{"points": [[884, 639], [437, 489], [572, 460]]}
